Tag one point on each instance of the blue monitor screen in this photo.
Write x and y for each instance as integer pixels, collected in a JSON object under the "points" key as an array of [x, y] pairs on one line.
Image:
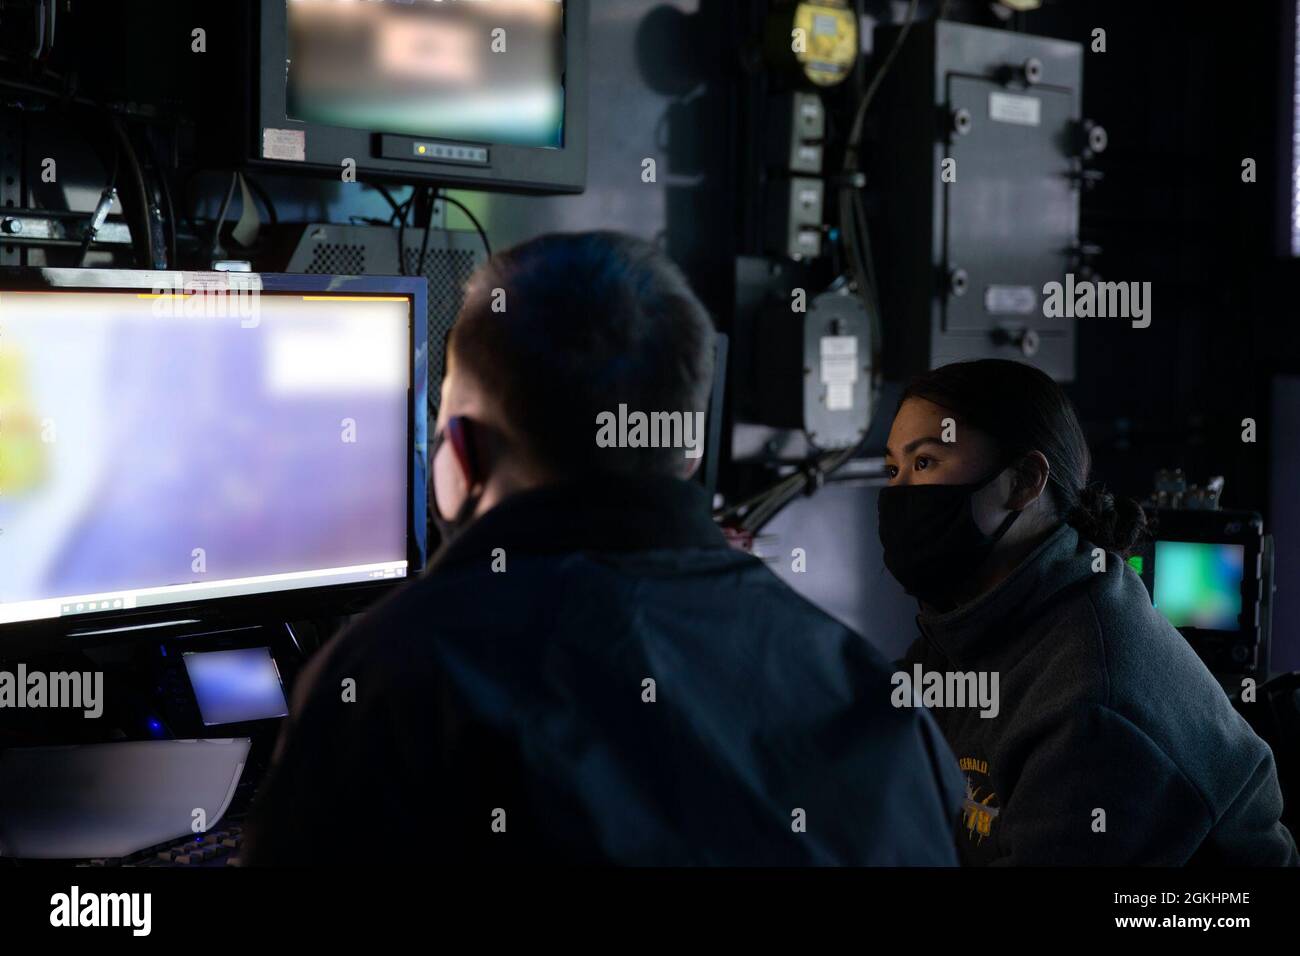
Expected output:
{"points": [[1198, 584], [234, 686], [165, 448]]}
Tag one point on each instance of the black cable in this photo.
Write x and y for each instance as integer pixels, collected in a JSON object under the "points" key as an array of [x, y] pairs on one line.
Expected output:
{"points": [[43, 91], [173, 249], [759, 501], [748, 504], [260, 191], [165, 189], [868, 264], [809, 477], [403, 212], [188, 206], [482, 234], [214, 250], [122, 144], [68, 96], [133, 161], [399, 212], [854, 231], [430, 197], [759, 508], [855, 131], [383, 191], [782, 495]]}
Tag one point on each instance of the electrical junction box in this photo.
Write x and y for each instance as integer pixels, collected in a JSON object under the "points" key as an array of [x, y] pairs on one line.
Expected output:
{"points": [[962, 263], [811, 370]]}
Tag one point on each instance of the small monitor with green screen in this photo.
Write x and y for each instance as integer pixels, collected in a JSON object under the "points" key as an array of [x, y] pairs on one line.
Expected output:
{"points": [[1198, 584]]}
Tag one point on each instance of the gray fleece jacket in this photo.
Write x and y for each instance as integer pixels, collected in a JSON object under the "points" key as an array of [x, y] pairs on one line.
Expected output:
{"points": [[1112, 743]]}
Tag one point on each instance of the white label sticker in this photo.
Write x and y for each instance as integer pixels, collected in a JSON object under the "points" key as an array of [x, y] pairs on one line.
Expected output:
{"points": [[1010, 108], [1010, 300], [839, 360], [839, 397], [204, 282], [287, 144]]}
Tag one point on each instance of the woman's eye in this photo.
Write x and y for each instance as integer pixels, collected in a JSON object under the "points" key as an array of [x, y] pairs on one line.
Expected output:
{"points": [[891, 471], [922, 463]]}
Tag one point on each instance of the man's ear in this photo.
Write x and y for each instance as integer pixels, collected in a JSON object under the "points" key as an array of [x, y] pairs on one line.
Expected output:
{"points": [[462, 439], [1029, 478]]}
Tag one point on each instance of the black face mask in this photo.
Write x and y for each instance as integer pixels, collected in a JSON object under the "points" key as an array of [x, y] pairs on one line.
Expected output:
{"points": [[447, 530], [932, 543]]}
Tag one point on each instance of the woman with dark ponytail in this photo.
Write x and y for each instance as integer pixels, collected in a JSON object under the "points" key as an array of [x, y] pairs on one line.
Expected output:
{"points": [[1105, 740]]}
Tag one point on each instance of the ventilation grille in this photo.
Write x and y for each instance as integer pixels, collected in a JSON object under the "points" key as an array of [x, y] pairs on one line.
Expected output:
{"points": [[447, 271], [337, 258]]}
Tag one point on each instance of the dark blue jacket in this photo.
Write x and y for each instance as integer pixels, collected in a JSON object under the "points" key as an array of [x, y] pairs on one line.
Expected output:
{"points": [[506, 715]]}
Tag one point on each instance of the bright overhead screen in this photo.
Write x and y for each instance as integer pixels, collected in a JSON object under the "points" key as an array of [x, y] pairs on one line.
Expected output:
{"points": [[489, 71]]}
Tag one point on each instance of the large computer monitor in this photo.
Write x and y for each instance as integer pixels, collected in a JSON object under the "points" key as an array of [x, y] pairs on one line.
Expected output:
{"points": [[488, 94], [207, 445]]}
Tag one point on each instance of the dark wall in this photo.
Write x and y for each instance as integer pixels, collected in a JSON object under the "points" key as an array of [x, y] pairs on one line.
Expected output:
{"points": [[1186, 95]]}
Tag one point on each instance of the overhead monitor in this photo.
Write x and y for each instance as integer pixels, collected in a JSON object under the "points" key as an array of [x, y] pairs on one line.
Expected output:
{"points": [[487, 94]]}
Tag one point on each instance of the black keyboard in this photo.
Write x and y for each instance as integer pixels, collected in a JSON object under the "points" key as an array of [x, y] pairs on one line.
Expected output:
{"points": [[221, 847]]}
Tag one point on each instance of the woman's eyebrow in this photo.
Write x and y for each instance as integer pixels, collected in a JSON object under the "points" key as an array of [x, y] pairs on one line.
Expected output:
{"points": [[914, 444]]}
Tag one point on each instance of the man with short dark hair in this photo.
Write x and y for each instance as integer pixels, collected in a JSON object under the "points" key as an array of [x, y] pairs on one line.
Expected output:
{"points": [[587, 672]]}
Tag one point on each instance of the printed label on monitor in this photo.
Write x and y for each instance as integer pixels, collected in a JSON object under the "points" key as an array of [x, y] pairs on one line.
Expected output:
{"points": [[284, 144]]}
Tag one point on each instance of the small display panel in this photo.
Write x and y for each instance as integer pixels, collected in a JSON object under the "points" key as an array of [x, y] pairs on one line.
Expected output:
{"points": [[234, 686], [1198, 584]]}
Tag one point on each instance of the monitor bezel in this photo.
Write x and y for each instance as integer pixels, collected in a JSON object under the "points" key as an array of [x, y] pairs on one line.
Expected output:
{"points": [[1285, 148], [274, 606], [527, 169]]}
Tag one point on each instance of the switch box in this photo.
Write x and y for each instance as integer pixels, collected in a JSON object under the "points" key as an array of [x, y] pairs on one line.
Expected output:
{"points": [[797, 133], [976, 196], [794, 217]]}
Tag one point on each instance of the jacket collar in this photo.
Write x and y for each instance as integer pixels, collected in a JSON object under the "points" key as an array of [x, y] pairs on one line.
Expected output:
{"points": [[599, 513], [994, 618]]}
